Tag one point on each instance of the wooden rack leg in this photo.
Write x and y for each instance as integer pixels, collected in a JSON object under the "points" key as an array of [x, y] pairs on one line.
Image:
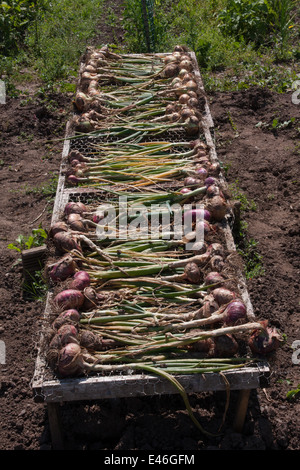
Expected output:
{"points": [[55, 426], [241, 410]]}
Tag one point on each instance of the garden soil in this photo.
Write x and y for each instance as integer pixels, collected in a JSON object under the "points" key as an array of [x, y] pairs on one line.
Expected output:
{"points": [[264, 161]]}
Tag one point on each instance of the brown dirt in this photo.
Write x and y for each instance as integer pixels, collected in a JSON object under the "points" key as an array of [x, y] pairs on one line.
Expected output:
{"points": [[266, 165]]}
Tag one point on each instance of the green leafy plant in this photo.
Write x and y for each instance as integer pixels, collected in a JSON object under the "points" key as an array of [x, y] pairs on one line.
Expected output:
{"points": [[295, 393], [36, 287], [25, 242]]}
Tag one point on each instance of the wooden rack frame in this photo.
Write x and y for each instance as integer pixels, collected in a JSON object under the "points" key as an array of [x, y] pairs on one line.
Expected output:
{"points": [[54, 392]]}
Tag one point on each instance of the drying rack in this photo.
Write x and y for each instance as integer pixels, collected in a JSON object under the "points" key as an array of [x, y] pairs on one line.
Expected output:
{"points": [[54, 392]]}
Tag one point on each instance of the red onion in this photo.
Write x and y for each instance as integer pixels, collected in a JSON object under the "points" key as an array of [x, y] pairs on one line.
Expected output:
{"points": [[75, 207], [264, 341], [81, 280], [212, 190], [57, 227], [75, 223], [222, 295], [68, 334], [91, 341], [210, 181], [62, 269], [190, 181], [70, 360], [67, 316], [64, 241], [213, 278], [197, 215], [69, 299], [73, 180], [185, 190], [235, 311], [201, 172]]}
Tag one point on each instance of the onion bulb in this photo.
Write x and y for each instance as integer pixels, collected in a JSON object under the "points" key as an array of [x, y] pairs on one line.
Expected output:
{"points": [[69, 299], [265, 340]]}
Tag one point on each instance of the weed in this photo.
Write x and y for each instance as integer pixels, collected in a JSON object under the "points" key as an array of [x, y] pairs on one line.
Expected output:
{"points": [[47, 189], [247, 247], [292, 394], [36, 287], [26, 242]]}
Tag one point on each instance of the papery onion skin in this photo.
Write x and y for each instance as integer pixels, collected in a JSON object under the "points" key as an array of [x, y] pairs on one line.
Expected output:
{"points": [[222, 295], [264, 341], [235, 312], [67, 316], [192, 273], [213, 277], [75, 207], [62, 269], [65, 242], [224, 346], [81, 280], [69, 299], [70, 361]]}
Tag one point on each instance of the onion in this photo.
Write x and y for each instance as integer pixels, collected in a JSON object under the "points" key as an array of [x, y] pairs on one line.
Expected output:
{"points": [[62, 269], [210, 181], [235, 311], [76, 155], [209, 307], [170, 109], [192, 273], [67, 316], [170, 70], [75, 207], [68, 334], [201, 172], [57, 227], [222, 295], [185, 190], [264, 341], [186, 113], [192, 125], [213, 190], [216, 263], [81, 280], [202, 346], [75, 222], [91, 299], [217, 207], [191, 181], [193, 102], [91, 341], [197, 214], [184, 98], [213, 277], [216, 249], [191, 85], [70, 361], [65, 241], [69, 299], [224, 346]]}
